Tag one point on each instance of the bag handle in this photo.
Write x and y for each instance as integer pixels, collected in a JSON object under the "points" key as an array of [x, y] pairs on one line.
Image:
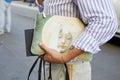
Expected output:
{"points": [[33, 66], [40, 69], [67, 75], [50, 76]]}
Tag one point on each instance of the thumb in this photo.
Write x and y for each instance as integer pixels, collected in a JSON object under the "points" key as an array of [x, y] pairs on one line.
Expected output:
{"points": [[43, 47]]}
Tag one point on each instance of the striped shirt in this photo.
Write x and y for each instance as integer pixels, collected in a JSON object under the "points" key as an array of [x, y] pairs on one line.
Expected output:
{"points": [[98, 15]]}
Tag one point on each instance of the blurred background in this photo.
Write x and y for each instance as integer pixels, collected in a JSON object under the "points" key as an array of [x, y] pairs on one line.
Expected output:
{"points": [[15, 65]]}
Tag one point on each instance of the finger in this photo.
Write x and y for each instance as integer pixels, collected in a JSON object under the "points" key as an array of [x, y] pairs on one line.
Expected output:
{"points": [[47, 58]]}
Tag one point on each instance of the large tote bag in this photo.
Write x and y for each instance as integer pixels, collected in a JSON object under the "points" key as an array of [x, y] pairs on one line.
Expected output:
{"points": [[56, 32], [52, 30]]}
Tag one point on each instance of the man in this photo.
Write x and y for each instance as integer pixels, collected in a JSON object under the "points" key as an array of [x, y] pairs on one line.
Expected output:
{"points": [[5, 15], [101, 24]]}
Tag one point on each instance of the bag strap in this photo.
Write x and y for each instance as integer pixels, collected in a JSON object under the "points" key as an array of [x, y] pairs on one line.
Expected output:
{"points": [[33, 66], [42, 62], [40, 67], [39, 71], [67, 75], [50, 76]]}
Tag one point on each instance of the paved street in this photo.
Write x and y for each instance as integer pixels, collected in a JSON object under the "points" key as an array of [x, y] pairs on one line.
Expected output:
{"points": [[106, 64], [14, 65]]}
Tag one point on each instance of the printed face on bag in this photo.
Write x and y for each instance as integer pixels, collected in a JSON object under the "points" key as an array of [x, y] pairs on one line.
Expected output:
{"points": [[64, 40], [59, 32]]}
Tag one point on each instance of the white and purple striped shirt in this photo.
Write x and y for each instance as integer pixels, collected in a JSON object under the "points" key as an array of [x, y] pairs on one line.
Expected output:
{"points": [[98, 15]]}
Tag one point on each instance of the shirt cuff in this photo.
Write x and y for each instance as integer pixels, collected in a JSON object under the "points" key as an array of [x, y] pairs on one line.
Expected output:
{"points": [[86, 43], [41, 7]]}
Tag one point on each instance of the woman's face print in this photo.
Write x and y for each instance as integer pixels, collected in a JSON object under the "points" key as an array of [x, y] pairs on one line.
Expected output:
{"points": [[64, 40]]}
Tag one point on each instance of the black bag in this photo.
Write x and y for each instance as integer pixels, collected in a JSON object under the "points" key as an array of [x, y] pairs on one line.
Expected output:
{"points": [[28, 41]]}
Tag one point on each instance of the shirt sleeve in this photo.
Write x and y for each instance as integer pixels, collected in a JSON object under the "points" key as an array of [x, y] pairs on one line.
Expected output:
{"points": [[100, 17]]}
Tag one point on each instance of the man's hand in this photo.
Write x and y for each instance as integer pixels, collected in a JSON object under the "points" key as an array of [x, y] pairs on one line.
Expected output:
{"points": [[40, 2], [53, 56]]}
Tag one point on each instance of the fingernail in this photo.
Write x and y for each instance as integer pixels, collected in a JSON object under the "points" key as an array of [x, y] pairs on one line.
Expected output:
{"points": [[40, 43]]}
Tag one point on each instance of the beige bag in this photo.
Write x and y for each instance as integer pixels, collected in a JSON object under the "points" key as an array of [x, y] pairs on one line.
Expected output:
{"points": [[56, 32]]}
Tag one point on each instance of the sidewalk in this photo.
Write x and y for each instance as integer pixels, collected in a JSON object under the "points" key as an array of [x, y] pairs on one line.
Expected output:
{"points": [[14, 65], [23, 8]]}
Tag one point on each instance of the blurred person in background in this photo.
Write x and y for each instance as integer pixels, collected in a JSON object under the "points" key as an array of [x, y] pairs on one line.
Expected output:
{"points": [[5, 16], [31, 2]]}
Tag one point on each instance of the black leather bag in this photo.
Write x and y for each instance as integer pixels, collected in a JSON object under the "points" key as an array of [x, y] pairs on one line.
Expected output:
{"points": [[28, 41]]}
